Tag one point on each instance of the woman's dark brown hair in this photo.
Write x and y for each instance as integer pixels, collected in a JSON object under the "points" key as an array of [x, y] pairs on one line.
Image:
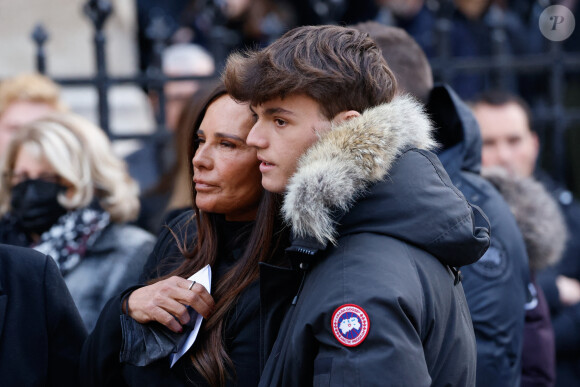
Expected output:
{"points": [[209, 355]]}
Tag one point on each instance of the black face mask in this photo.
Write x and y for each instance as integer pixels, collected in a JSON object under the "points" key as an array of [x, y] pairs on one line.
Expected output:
{"points": [[35, 206]]}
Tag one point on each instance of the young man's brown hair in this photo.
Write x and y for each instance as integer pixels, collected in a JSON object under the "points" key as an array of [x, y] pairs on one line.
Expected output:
{"points": [[340, 68], [404, 56]]}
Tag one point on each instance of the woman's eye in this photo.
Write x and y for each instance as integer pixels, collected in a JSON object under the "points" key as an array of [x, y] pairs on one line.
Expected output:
{"points": [[227, 144]]}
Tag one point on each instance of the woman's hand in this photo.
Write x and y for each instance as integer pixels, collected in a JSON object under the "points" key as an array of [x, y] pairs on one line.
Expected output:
{"points": [[166, 300]]}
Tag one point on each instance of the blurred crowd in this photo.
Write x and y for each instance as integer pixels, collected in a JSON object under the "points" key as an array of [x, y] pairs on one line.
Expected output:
{"points": [[66, 193]]}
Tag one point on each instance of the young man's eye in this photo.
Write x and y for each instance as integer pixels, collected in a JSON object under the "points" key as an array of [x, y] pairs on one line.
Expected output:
{"points": [[279, 122]]}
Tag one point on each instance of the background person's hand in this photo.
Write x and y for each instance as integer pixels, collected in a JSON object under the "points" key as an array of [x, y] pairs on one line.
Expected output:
{"points": [[166, 300], [569, 289]]}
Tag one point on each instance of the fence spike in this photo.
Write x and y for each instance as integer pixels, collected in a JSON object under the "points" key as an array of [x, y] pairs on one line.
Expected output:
{"points": [[98, 11], [40, 36]]}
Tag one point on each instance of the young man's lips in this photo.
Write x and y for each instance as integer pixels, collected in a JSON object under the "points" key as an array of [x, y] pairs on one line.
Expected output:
{"points": [[266, 166]]}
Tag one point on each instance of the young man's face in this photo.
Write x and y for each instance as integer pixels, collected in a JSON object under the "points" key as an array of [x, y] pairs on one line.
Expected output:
{"points": [[284, 130], [507, 139]]}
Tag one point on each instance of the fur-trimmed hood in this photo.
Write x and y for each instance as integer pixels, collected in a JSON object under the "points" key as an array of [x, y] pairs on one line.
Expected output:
{"points": [[537, 214], [357, 169]]}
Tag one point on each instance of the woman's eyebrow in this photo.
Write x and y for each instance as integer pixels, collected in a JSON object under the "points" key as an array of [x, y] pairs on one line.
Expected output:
{"points": [[230, 136], [222, 135]]}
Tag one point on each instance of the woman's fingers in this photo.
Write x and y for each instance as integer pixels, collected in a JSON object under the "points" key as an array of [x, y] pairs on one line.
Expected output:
{"points": [[166, 300], [197, 297]]}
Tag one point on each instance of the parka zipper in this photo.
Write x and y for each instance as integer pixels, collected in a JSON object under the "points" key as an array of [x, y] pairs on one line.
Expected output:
{"points": [[298, 254], [303, 267]]}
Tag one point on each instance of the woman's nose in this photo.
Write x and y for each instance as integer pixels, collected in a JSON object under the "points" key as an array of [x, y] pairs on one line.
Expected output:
{"points": [[202, 158]]}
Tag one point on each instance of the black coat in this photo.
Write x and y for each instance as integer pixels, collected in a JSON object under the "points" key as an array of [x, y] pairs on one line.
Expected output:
{"points": [[378, 228], [41, 331], [565, 319], [244, 331], [495, 286]]}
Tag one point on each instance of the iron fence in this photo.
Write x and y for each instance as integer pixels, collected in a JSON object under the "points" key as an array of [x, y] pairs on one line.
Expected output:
{"points": [[552, 67]]}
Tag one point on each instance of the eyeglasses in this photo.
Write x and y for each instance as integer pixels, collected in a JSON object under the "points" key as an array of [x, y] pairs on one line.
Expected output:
{"points": [[17, 178]]}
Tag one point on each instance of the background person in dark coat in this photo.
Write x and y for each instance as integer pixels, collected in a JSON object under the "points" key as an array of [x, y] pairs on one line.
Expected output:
{"points": [[544, 231], [509, 141], [41, 332], [375, 220], [495, 286]]}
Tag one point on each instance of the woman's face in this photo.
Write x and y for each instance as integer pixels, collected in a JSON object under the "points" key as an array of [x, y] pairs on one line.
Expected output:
{"points": [[225, 169], [28, 166]]}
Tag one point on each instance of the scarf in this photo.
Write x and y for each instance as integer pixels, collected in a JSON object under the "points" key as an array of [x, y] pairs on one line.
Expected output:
{"points": [[69, 239]]}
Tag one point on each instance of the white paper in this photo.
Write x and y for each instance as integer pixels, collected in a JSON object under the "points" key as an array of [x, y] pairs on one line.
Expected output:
{"points": [[202, 277]]}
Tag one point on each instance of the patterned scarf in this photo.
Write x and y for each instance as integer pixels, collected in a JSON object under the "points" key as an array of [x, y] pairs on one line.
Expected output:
{"points": [[68, 240]]}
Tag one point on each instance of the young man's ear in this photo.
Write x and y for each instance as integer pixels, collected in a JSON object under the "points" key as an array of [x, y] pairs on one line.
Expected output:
{"points": [[345, 115]]}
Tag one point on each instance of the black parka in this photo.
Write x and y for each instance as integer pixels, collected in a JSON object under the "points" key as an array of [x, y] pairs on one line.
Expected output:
{"points": [[378, 225]]}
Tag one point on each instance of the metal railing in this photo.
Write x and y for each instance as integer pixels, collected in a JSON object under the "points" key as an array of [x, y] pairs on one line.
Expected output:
{"points": [[554, 66]]}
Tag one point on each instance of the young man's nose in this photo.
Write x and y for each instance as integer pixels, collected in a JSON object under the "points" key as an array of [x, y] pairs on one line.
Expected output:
{"points": [[256, 137]]}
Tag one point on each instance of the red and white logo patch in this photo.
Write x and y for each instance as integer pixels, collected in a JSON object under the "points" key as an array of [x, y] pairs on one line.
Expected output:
{"points": [[350, 324]]}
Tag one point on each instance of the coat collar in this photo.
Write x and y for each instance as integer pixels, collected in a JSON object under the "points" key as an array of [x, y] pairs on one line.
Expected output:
{"points": [[340, 167]]}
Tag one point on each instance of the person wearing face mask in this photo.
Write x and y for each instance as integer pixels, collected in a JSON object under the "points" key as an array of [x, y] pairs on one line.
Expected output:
{"points": [[65, 194]]}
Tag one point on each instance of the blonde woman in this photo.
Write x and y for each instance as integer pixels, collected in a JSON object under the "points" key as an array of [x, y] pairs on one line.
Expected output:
{"points": [[67, 195]]}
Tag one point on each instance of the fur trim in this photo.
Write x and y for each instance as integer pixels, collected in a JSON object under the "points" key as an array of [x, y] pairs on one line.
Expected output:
{"points": [[337, 169], [537, 214]]}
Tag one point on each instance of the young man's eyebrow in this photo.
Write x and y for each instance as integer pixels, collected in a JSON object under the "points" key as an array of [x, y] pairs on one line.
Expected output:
{"points": [[223, 135], [278, 110], [274, 110]]}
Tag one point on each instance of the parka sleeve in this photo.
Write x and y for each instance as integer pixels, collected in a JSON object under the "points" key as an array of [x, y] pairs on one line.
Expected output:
{"points": [[392, 352]]}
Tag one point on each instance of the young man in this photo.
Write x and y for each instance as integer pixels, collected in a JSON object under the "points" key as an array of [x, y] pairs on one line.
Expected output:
{"points": [[495, 286], [378, 228]]}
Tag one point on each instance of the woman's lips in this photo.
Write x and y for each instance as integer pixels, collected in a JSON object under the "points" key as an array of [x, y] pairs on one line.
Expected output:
{"points": [[201, 185]]}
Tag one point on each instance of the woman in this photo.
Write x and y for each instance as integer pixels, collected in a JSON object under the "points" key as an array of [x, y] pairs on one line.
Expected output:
{"points": [[227, 197], [172, 194], [65, 194]]}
